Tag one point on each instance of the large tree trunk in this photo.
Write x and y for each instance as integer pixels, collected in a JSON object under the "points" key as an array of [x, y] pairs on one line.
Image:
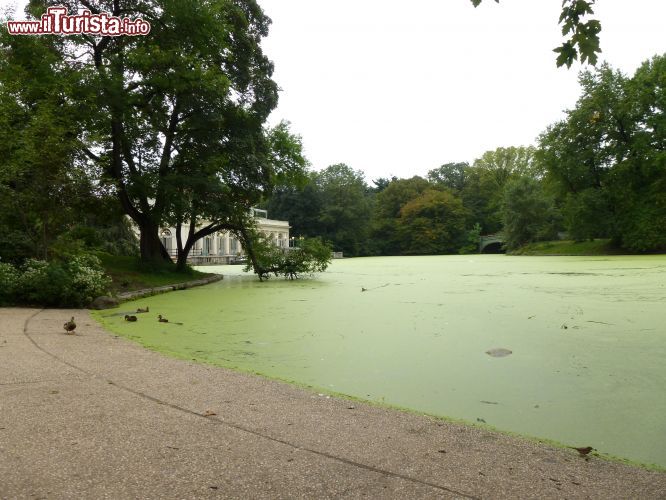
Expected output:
{"points": [[184, 251], [181, 262], [152, 250], [252, 255]]}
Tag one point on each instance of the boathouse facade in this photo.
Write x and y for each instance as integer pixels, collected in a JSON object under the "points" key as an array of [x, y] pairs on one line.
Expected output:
{"points": [[223, 247]]}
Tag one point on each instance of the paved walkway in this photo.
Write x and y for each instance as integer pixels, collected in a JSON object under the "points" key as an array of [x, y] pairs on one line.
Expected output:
{"points": [[95, 416]]}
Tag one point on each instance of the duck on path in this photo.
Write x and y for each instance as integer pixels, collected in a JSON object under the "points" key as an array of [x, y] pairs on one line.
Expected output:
{"points": [[583, 451], [70, 326]]}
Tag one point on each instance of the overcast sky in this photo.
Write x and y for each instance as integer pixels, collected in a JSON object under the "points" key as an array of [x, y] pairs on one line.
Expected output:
{"points": [[392, 87], [397, 88]]}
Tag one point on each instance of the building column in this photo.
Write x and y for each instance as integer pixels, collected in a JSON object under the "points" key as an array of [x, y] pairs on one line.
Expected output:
{"points": [[213, 246], [226, 243]]}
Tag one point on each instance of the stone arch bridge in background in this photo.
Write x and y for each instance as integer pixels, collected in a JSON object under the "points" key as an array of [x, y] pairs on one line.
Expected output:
{"points": [[491, 243]]}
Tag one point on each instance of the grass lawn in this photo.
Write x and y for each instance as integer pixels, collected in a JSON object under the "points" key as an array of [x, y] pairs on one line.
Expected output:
{"points": [[128, 274], [568, 247]]}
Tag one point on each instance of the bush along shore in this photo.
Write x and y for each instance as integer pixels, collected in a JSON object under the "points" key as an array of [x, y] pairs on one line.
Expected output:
{"points": [[96, 280], [71, 283]]}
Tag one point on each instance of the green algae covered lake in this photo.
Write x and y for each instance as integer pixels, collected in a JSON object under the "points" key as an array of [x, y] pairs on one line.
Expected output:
{"points": [[587, 337]]}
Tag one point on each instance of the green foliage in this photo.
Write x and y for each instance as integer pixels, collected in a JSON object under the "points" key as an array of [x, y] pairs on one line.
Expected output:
{"points": [[567, 247], [400, 191], [9, 283], [450, 175], [382, 183], [432, 223], [607, 159], [15, 246], [42, 185], [529, 214], [71, 283], [472, 240], [312, 256], [386, 237], [301, 206], [587, 215], [583, 37], [482, 198], [334, 204], [116, 239], [502, 164], [48, 192], [345, 208], [483, 189], [641, 225], [130, 273], [172, 124], [285, 151]]}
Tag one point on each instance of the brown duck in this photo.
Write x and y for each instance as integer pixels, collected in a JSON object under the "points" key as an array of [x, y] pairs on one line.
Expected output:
{"points": [[130, 318], [161, 319], [70, 326], [142, 310], [583, 451]]}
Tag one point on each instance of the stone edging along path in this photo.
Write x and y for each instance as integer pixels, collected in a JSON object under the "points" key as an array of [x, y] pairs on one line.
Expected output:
{"points": [[109, 302]]}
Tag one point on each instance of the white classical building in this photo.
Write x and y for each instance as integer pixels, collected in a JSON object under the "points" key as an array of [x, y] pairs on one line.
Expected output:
{"points": [[223, 247]]}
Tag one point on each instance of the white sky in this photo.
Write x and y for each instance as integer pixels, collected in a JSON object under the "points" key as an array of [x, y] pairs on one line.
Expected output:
{"points": [[395, 87], [392, 87]]}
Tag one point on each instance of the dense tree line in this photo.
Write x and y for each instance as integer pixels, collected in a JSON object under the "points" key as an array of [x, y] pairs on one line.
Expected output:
{"points": [[170, 130], [606, 162], [443, 213], [599, 173]]}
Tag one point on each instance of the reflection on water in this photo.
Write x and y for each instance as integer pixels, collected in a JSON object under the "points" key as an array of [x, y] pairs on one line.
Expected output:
{"points": [[587, 339]]}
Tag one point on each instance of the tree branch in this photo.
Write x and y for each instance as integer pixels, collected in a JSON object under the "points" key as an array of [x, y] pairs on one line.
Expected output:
{"points": [[90, 154], [166, 155]]}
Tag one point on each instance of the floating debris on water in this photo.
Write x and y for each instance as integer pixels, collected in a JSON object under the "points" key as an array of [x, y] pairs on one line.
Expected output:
{"points": [[499, 352]]}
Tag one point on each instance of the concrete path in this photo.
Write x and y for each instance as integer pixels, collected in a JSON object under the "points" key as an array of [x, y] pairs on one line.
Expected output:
{"points": [[95, 416]]}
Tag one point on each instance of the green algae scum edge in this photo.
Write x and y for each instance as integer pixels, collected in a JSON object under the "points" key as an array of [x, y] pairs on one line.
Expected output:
{"points": [[379, 404], [583, 331]]}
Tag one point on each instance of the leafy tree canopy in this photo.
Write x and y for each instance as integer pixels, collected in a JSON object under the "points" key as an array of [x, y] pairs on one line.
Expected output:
{"points": [[529, 214], [432, 223], [607, 158], [311, 256], [345, 210], [173, 122], [450, 175]]}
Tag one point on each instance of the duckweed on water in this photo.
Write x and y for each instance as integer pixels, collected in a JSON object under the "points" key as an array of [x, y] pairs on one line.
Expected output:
{"points": [[587, 337]]}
